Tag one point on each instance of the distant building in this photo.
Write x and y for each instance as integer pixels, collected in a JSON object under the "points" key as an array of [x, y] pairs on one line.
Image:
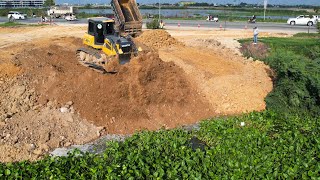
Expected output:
{"points": [[186, 3], [21, 3]]}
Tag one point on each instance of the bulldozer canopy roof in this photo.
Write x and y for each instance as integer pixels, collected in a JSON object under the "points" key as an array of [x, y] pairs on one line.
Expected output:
{"points": [[101, 19]]}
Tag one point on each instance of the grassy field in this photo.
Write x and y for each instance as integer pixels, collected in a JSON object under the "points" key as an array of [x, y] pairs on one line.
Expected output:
{"points": [[282, 142], [16, 24]]}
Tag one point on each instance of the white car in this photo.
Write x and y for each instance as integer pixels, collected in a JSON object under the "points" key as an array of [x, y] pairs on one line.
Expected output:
{"points": [[303, 20], [70, 17], [16, 15]]}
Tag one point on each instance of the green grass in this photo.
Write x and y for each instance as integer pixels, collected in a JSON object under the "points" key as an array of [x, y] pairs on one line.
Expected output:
{"points": [[308, 35], [16, 24], [11, 24]]}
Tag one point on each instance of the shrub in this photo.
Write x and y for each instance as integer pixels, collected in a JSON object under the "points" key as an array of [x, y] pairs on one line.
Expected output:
{"points": [[154, 24]]}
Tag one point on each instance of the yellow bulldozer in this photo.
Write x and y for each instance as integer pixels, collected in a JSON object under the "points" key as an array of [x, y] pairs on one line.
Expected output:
{"points": [[108, 41]]}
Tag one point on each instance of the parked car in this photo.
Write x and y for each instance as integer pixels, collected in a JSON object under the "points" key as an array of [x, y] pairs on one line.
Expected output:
{"points": [[303, 20], [16, 15]]}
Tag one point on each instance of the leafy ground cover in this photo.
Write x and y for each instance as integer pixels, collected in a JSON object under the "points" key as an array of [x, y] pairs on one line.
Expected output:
{"points": [[278, 143], [267, 146]]}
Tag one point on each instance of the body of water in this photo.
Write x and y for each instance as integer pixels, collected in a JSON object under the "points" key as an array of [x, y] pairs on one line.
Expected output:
{"points": [[182, 13]]}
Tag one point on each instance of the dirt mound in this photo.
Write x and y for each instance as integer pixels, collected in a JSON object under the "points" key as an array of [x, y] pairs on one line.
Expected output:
{"points": [[15, 98], [147, 93], [32, 134], [259, 51], [157, 39]]}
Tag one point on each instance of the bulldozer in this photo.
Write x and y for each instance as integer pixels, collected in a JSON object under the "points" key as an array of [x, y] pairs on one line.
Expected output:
{"points": [[109, 42]]}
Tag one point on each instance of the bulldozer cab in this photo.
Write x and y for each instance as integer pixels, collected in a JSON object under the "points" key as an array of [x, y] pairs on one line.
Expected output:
{"points": [[100, 28]]}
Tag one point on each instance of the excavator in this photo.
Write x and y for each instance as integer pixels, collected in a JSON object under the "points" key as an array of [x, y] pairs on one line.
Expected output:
{"points": [[109, 42]]}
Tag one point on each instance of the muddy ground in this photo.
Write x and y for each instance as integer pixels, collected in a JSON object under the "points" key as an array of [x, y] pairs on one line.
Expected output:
{"points": [[48, 100]]}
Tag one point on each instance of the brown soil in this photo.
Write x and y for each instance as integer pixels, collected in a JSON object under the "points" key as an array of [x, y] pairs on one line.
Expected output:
{"points": [[230, 82], [48, 100], [258, 51], [30, 135], [147, 93], [156, 39]]}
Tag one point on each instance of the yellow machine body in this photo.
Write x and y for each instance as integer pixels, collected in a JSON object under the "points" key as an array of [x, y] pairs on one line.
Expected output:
{"points": [[105, 43]]}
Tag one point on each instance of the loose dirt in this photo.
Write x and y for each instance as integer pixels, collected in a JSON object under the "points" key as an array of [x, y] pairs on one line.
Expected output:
{"points": [[147, 93], [48, 100]]}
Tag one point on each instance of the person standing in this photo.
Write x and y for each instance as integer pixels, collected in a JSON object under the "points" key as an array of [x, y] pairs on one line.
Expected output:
{"points": [[161, 25], [255, 35]]}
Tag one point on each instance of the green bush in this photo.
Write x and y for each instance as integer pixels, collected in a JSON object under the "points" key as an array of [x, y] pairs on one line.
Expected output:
{"points": [[296, 62], [318, 27], [154, 24]]}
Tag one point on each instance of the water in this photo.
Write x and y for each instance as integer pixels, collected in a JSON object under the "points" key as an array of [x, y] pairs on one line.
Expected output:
{"points": [[164, 12], [181, 13]]}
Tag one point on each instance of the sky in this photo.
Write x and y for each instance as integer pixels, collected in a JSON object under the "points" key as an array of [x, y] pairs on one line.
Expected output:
{"points": [[286, 2]]}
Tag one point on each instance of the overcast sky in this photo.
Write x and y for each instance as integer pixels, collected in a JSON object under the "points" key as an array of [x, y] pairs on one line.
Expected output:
{"points": [[286, 2]]}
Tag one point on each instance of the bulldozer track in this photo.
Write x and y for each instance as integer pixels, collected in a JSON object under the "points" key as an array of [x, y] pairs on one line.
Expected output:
{"points": [[87, 59]]}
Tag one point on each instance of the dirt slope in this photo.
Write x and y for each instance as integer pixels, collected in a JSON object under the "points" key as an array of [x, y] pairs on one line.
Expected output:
{"points": [[147, 93], [231, 83]]}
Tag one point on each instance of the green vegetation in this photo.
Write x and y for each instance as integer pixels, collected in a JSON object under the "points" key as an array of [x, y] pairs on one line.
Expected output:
{"points": [[154, 24], [268, 146], [16, 24], [48, 3], [296, 62], [86, 15], [28, 11]]}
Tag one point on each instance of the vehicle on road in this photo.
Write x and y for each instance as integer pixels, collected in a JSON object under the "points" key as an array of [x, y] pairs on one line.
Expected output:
{"points": [[60, 11], [70, 17], [303, 20], [16, 15], [214, 18], [252, 19]]}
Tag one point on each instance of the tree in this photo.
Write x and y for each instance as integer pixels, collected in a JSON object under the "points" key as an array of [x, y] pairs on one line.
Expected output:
{"points": [[49, 3]]}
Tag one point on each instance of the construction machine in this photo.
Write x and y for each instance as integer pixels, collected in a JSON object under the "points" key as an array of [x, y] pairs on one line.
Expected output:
{"points": [[109, 41]]}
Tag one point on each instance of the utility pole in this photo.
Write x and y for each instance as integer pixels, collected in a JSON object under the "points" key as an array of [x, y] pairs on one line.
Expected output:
{"points": [[265, 8], [159, 12]]}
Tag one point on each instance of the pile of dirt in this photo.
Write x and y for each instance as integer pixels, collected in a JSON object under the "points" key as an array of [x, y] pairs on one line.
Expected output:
{"points": [[156, 39], [15, 98], [259, 51], [146, 93], [34, 133]]}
